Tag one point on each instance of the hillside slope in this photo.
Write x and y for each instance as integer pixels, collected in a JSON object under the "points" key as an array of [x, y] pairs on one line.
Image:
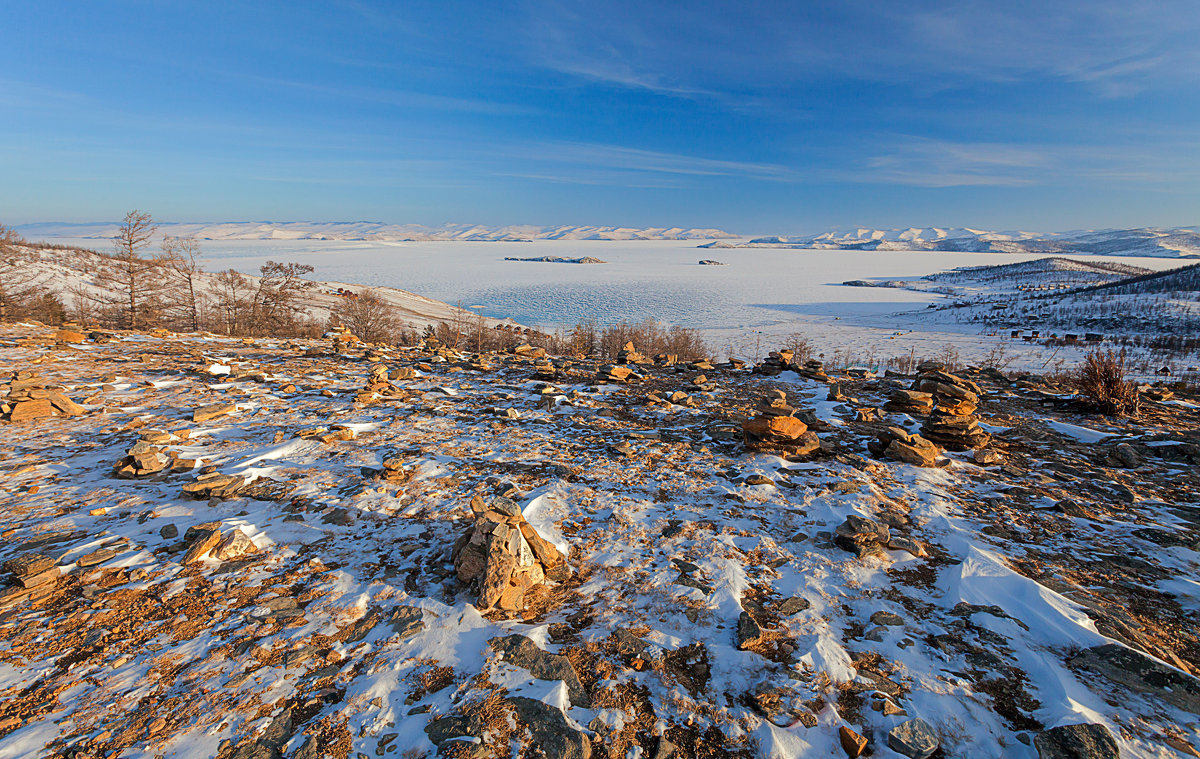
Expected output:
{"points": [[238, 550], [1154, 242], [73, 273]]}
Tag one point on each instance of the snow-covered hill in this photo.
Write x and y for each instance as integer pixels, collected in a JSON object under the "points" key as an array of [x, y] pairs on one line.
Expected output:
{"points": [[1147, 241], [372, 230], [73, 275]]}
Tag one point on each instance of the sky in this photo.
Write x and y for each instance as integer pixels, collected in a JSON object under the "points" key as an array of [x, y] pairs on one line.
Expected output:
{"points": [[753, 116]]}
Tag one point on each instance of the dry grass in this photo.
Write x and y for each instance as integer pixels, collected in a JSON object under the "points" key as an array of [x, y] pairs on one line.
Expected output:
{"points": [[1102, 385]]}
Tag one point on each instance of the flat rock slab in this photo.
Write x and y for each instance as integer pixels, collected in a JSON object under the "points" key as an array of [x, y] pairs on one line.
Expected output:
{"points": [[520, 651], [212, 411], [1087, 741], [1139, 672]]}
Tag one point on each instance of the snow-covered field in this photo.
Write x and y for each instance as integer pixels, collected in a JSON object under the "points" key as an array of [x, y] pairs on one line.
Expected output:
{"points": [[757, 297]]}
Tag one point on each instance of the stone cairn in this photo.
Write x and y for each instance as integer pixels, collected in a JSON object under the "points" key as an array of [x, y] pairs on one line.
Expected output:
{"points": [[343, 339], [952, 423], [629, 355], [775, 363], [504, 557], [148, 456], [620, 371], [379, 383], [28, 397], [545, 370], [900, 445], [777, 428], [814, 370], [910, 402]]}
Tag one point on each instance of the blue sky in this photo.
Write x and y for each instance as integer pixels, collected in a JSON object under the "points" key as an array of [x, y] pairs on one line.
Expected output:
{"points": [[759, 117]]}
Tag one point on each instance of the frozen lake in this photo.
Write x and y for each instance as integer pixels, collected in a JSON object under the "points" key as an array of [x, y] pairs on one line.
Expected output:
{"points": [[760, 291], [662, 280]]}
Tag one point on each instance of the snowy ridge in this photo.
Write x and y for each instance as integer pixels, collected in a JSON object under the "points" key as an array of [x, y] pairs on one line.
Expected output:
{"points": [[376, 231], [1043, 269], [73, 274], [1147, 241]]}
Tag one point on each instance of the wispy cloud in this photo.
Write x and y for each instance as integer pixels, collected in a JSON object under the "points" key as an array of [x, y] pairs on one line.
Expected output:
{"points": [[654, 162], [921, 162], [1110, 47], [940, 163]]}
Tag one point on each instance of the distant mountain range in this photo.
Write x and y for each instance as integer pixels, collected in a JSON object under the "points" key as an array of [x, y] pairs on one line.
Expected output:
{"points": [[375, 231], [1147, 241]]}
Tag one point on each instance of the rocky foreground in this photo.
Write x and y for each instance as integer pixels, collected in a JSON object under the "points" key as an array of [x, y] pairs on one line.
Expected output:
{"points": [[215, 547]]}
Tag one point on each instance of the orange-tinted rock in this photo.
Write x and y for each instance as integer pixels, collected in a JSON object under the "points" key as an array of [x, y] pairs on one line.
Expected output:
{"points": [[34, 409], [775, 427]]}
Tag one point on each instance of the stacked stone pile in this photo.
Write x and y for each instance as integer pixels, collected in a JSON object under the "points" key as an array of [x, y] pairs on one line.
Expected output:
{"points": [[814, 370], [629, 355], [776, 428], [379, 383], [32, 578], [952, 423], [614, 373], [545, 370], [27, 396], [215, 485], [910, 402], [900, 445], [775, 363], [343, 339], [144, 458], [504, 557]]}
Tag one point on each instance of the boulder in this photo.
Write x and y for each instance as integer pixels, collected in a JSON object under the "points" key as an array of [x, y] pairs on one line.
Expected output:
{"points": [[853, 743], [522, 652], [202, 543], [69, 336], [235, 545], [748, 631], [1083, 741], [775, 428], [24, 411], [861, 536], [1139, 672], [914, 738]]}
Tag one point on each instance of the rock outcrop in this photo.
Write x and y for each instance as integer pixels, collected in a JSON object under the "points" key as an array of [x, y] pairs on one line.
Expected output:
{"points": [[27, 397]]}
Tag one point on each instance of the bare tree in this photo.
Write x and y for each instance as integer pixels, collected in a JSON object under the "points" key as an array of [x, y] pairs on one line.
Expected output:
{"points": [[20, 280], [369, 316], [234, 301], [182, 258], [277, 304], [136, 279]]}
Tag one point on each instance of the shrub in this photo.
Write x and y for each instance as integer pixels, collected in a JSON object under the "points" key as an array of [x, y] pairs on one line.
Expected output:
{"points": [[1102, 385]]}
